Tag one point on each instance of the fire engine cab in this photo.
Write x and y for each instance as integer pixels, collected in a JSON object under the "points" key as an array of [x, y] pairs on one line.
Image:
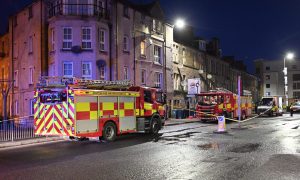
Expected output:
{"points": [[94, 108], [221, 102]]}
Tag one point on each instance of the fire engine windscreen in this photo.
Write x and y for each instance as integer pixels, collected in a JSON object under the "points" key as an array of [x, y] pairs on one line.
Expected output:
{"points": [[53, 96], [266, 102], [210, 99]]}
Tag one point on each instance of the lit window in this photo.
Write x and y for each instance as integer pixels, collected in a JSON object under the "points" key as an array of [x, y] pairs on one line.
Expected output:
{"points": [[68, 69], [31, 75], [86, 70], [126, 77], [67, 39], [101, 36], [158, 80], [157, 54], [143, 76], [126, 43], [143, 48], [86, 38]]}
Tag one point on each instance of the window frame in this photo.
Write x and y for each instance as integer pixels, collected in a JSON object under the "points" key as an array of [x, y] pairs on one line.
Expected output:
{"points": [[126, 43], [126, 73], [102, 39], [30, 45], [158, 80], [52, 34], [102, 75], [89, 76], [87, 40], [70, 63], [143, 76], [157, 57], [67, 40], [31, 73], [31, 107], [16, 107], [143, 48]]}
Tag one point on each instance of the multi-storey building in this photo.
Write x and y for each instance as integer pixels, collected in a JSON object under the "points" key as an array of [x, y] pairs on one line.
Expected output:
{"points": [[270, 73]]}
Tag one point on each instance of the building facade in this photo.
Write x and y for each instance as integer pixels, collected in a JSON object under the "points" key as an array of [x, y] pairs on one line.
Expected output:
{"points": [[270, 73]]}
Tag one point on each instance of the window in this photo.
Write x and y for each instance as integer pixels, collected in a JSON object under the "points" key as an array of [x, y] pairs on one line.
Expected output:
{"points": [[296, 77], [175, 57], [143, 76], [126, 43], [31, 75], [102, 72], [296, 85], [30, 12], [158, 80], [157, 54], [101, 36], [30, 45], [268, 68], [86, 38], [268, 77], [126, 11], [68, 69], [87, 70], [16, 107], [84, 7], [143, 48], [67, 39], [16, 78], [52, 46], [31, 107], [268, 93], [296, 94], [126, 77], [267, 85]]}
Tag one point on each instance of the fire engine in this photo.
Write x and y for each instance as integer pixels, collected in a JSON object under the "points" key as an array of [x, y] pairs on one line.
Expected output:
{"points": [[81, 108], [221, 102]]}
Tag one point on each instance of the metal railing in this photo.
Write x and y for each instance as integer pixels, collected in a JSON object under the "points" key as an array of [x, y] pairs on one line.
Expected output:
{"points": [[59, 8], [11, 130]]}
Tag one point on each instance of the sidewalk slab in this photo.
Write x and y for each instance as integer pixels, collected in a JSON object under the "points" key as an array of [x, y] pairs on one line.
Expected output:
{"points": [[29, 141]]}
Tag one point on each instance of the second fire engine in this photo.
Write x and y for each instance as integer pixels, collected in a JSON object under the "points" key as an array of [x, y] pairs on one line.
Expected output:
{"points": [[221, 102], [94, 108]]}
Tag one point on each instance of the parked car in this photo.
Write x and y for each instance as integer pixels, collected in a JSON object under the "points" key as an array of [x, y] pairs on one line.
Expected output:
{"points": [[295, 107]]}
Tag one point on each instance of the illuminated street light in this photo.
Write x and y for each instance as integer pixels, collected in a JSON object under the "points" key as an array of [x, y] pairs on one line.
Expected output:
{"points": [[180, 23], [288, 56]]}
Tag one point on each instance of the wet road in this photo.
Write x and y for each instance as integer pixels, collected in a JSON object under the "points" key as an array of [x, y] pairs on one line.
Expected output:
{"points": [[268, 149]]}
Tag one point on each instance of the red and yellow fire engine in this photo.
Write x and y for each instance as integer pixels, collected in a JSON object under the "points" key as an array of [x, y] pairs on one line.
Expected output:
{"points": [[221, 102], [94, 108]]}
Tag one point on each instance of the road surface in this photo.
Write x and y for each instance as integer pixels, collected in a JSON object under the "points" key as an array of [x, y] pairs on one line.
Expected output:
{"points": [[268, 149]]}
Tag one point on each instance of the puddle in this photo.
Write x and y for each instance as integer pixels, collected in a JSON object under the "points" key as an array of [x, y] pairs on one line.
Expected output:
{"points": [[246, 148], [176, 138], [296, 127]]}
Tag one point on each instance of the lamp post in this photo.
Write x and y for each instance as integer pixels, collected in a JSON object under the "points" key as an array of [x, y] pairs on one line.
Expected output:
{"points": [[288, 56]]}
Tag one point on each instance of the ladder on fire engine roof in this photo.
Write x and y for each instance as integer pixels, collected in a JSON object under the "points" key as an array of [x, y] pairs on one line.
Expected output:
{"points": [[61, 82], [221, 90]]}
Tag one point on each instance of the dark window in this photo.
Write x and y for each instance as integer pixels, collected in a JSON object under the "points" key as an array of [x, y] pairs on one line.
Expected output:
{"points": [[147, 96], [267, 85], [30, 12], [267, 67], [126, 11], [296, 94], [268, 77], [296, 85], [296, 77]]}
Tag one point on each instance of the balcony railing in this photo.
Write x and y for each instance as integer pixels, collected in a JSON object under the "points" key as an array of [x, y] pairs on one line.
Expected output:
{"points": [[77, 10]]}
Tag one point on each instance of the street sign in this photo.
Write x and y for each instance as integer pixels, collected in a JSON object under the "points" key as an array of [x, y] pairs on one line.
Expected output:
{"points": [[194, 86], [221, 124]]}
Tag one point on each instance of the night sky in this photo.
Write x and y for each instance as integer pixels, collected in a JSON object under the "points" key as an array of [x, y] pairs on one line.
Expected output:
{"points": [[247, 29]]}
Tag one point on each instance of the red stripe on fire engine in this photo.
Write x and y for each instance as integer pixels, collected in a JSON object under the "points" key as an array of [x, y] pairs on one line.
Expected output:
{"points": [[101, 106], [115, 106], [45, 116], [93, 106], [121, 105], [83, 115], [128, 112]]}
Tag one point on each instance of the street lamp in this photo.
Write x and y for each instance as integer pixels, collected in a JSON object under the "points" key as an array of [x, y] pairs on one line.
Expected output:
{"points": [[288, 56], [180, 23]]}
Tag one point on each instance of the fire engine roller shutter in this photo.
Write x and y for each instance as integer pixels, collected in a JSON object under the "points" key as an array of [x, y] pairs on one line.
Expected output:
{"points": [[127, 116], [86, 114]]}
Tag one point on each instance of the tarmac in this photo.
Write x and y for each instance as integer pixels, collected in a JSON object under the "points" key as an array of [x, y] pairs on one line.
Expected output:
{"points": [[43, 140]]}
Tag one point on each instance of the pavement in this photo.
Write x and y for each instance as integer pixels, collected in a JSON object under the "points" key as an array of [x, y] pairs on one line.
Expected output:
{"points": [[43, 140]]}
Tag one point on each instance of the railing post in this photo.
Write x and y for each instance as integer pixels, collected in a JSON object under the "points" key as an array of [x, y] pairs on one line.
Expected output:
{"points": [[12, 131]]}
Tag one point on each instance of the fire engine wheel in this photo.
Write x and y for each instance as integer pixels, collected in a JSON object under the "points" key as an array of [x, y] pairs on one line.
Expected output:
{"points": [[155, 125], [109, 132]]}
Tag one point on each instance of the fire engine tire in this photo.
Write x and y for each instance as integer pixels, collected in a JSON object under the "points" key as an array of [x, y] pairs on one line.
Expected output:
{"points": [[155, 125], [109, 132]]}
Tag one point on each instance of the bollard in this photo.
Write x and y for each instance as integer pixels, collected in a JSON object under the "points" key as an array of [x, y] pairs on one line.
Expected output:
{"points": [[221, 125]]}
